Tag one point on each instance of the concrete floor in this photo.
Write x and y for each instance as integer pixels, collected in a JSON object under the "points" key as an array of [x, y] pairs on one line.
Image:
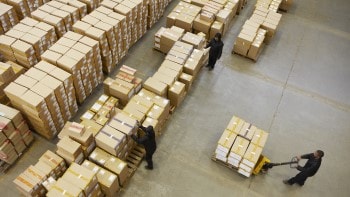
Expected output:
{"points": [[298, 91]]}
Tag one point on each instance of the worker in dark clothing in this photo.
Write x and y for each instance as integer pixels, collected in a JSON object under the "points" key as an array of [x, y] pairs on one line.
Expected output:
{"points": [[215, 50], [149, 142], [310, 168]]}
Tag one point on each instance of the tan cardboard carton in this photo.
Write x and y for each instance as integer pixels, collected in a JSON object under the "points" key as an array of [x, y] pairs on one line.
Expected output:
{"points": [[252, 155], [187, 80], [119, 167], [110, 139], [63, 187], [155, 86], [176, 93], [108, 180], [239, 148], [247, 131]]}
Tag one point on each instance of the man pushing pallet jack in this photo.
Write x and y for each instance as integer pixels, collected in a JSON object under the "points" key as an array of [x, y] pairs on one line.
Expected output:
{"points": [[309, 169]]}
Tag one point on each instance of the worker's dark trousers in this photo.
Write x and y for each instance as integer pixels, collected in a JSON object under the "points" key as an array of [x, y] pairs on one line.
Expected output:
{"points": [[149, 159], [212, 61], [299, 179]]}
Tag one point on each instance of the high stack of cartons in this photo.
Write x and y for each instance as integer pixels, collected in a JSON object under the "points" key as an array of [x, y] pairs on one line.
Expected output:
{"points": [[34, 181], [155, 10], [111, 163], [78, 55], [26, 41], [272, 5], [241, 145], [50, 86], [76, 181], [8, 18], [80, 134], [15, 135], [61, 82], [166, 37], [9, 71]]}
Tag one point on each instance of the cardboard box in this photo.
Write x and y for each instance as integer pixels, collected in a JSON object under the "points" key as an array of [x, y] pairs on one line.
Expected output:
{"points": [[10, 113], [69, 149], [187, 80], [118, 167], [226, 141], [56, 162], [192, 66], [239, 148], [247, 131], [108, 180], [252, 155], [172, 65], [235, 124], [202, 25], [110, 139], [260, 137], [6, 72], [64, 187], [84, 178], [155, 86], [176, 93], [197, 41]]}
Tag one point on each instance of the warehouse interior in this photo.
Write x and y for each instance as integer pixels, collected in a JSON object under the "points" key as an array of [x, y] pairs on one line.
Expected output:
{"points": [[298, 91]]}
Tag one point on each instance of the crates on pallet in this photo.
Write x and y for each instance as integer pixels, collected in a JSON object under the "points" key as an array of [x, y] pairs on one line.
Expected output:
{"points": [[9, 71], [8, 18]]}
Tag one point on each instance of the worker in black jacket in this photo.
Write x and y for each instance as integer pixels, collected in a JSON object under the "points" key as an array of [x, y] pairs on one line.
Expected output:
{"points": [[149, 142], [310, 168], [215, 50]]}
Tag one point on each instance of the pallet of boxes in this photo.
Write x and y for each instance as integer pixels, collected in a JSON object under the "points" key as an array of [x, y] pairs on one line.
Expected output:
{"points": [[240, 146], [9, 71], [257, 31], [15, 136]]}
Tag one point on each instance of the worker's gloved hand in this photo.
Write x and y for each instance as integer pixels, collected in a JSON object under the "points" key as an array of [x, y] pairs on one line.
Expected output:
{"points": [[133, 136], [298, 158], [300, 168]]}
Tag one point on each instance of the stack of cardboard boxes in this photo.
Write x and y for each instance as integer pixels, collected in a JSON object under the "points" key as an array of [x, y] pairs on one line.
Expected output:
{"points": [[26, 41], [111, 163], [183, 16], [35, 180], [99, 113], [78, 55], [241, 145], [166, 37], [76, 181], [44, 98], [8, 18], [24, 8], [70, 150], [15, 135], [9, 71], [115, 136], [259, 29], [155, 10], [80, 134], [107, 180], [272, 5]]}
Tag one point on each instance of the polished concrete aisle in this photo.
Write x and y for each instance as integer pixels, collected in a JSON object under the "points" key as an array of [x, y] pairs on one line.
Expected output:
{"points": [[298, 91]]}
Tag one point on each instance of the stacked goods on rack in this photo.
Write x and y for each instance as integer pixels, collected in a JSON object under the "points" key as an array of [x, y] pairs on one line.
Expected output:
{"points": [[37, 179], [9, 71], [111, 163], [26, 41], [99, 113], [76, 181], [8, 18], [15, 135], [259, 29], [240, 146], [80, 56]]}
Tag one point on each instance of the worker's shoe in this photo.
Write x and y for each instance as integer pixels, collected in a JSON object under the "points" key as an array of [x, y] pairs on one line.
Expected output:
{"points": [[211, 68], [287, 182], [148, 168]]}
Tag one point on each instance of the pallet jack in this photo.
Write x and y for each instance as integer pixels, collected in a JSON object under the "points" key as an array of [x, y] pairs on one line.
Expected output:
{"points": [[264, 164]]}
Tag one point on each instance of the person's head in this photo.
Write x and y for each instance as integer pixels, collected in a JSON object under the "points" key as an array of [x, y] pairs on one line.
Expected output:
{"points": [[217, 37], [318, 154]]}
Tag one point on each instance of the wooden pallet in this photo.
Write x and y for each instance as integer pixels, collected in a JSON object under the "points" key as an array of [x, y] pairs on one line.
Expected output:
{"points": [[223, 163]]}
